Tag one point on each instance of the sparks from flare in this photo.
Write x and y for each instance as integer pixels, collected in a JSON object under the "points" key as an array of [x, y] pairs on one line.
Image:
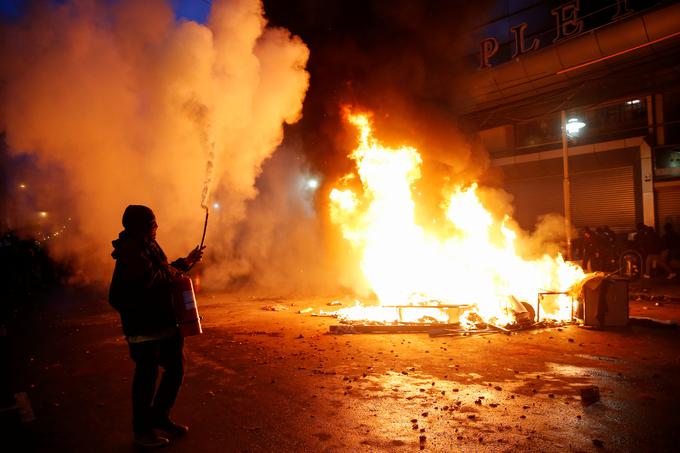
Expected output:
{"points": [[475, 266]]}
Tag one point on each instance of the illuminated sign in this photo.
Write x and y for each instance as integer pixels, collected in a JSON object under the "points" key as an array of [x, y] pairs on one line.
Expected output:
{"points": [[568, 20]]}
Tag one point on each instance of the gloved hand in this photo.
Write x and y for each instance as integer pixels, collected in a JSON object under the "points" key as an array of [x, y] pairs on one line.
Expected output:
{"points": [[194, 256]]}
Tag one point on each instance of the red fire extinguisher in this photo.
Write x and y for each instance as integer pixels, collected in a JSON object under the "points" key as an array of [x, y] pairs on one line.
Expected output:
{"points": [[188, 320]]}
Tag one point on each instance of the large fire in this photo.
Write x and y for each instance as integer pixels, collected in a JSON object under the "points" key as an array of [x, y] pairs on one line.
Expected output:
{"points": [[470, 273]]}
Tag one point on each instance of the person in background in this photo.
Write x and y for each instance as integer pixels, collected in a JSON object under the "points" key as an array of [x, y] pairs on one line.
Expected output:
{"points": [[608, 249], [652, 247], [587, 248], [670, 248], [598, 250], [141, 292], [641, 243]]}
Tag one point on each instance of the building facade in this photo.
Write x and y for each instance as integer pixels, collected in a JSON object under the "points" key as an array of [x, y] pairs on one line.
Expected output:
{"points": [[614, 66]]}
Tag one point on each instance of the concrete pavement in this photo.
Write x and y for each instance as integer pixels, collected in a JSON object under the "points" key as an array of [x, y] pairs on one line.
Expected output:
{"points": [[277, 381]]}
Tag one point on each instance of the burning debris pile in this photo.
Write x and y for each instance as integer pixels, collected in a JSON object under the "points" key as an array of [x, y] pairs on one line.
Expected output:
{"points": [[466, 272], [439, 319]]}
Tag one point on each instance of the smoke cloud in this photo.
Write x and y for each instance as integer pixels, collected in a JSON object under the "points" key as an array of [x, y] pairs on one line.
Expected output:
{"points": [[136, 107], [282, 246]]}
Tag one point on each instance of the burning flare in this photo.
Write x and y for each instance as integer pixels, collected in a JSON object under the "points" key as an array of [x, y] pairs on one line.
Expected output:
{"points": [[470, 273]]}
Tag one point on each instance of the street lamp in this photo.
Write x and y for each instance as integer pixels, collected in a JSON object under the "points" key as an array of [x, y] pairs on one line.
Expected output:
{"points": [[570, 128], [574, 126]]}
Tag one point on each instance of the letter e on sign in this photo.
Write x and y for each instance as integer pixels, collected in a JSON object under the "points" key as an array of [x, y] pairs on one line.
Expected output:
{"points": [[568, 23]]}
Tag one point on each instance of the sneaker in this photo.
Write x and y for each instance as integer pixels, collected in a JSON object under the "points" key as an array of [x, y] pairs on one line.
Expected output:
{"points": [[150, 440], [671, 276], [170, 427]]}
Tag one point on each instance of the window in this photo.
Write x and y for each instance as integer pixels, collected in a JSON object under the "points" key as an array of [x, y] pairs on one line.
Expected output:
{"points": [[624, 119], [541, 131]]}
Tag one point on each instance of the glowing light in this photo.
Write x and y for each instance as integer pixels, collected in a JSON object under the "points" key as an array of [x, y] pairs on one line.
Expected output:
{"points": [[470, 265], [633, 101], [42, 214], [22, 186], [574, 126], [54, 234], [216, 205], [312, 183]]}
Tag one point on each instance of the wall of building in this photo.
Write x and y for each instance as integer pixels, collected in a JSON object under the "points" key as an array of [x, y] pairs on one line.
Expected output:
{"points": [[619, 75]]}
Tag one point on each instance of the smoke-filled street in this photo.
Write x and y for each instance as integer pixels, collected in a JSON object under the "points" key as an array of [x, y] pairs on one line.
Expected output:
{"points": [[261, 380]]}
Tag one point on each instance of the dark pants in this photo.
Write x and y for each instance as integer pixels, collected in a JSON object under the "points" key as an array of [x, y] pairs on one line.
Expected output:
{"points": [[148, 402], [588, 259]]}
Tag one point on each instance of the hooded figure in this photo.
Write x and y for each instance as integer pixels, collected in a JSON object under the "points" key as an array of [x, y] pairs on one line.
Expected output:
{"points": [[141, 292], [141, 287]]}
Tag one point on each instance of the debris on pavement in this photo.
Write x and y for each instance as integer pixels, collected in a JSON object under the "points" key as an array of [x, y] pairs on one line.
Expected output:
{"points": [[590, 395], [398, 373], [275, 307]]}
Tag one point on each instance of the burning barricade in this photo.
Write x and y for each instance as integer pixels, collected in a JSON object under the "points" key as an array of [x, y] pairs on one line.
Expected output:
{"points": [[467, 273]]}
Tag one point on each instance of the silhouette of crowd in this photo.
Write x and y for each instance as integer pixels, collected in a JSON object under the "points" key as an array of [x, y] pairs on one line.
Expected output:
{"points": [[598, 249], [602, 249], [25, 267], [658, 252]]}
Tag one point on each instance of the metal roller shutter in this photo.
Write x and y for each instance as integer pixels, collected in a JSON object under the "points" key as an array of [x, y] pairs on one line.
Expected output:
{"points": [[667, 200], [604, 197], [598, 198], [535, 197]]}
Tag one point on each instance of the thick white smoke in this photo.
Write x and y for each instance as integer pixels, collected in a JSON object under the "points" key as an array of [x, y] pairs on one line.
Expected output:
{"points": [[140, 108], [282, 247]]}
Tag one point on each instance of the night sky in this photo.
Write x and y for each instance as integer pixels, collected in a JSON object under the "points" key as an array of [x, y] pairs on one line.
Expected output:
{"points": [[189, 9]]}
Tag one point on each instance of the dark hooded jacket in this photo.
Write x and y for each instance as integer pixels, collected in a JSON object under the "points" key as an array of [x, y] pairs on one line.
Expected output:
{"points": [[141, 286]]}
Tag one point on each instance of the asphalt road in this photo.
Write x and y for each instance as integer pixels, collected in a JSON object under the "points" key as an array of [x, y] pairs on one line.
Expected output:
{"points": [[277, 381]]}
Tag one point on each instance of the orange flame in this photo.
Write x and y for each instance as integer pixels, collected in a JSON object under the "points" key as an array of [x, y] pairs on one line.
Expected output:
{"points": [[475, 269]]}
